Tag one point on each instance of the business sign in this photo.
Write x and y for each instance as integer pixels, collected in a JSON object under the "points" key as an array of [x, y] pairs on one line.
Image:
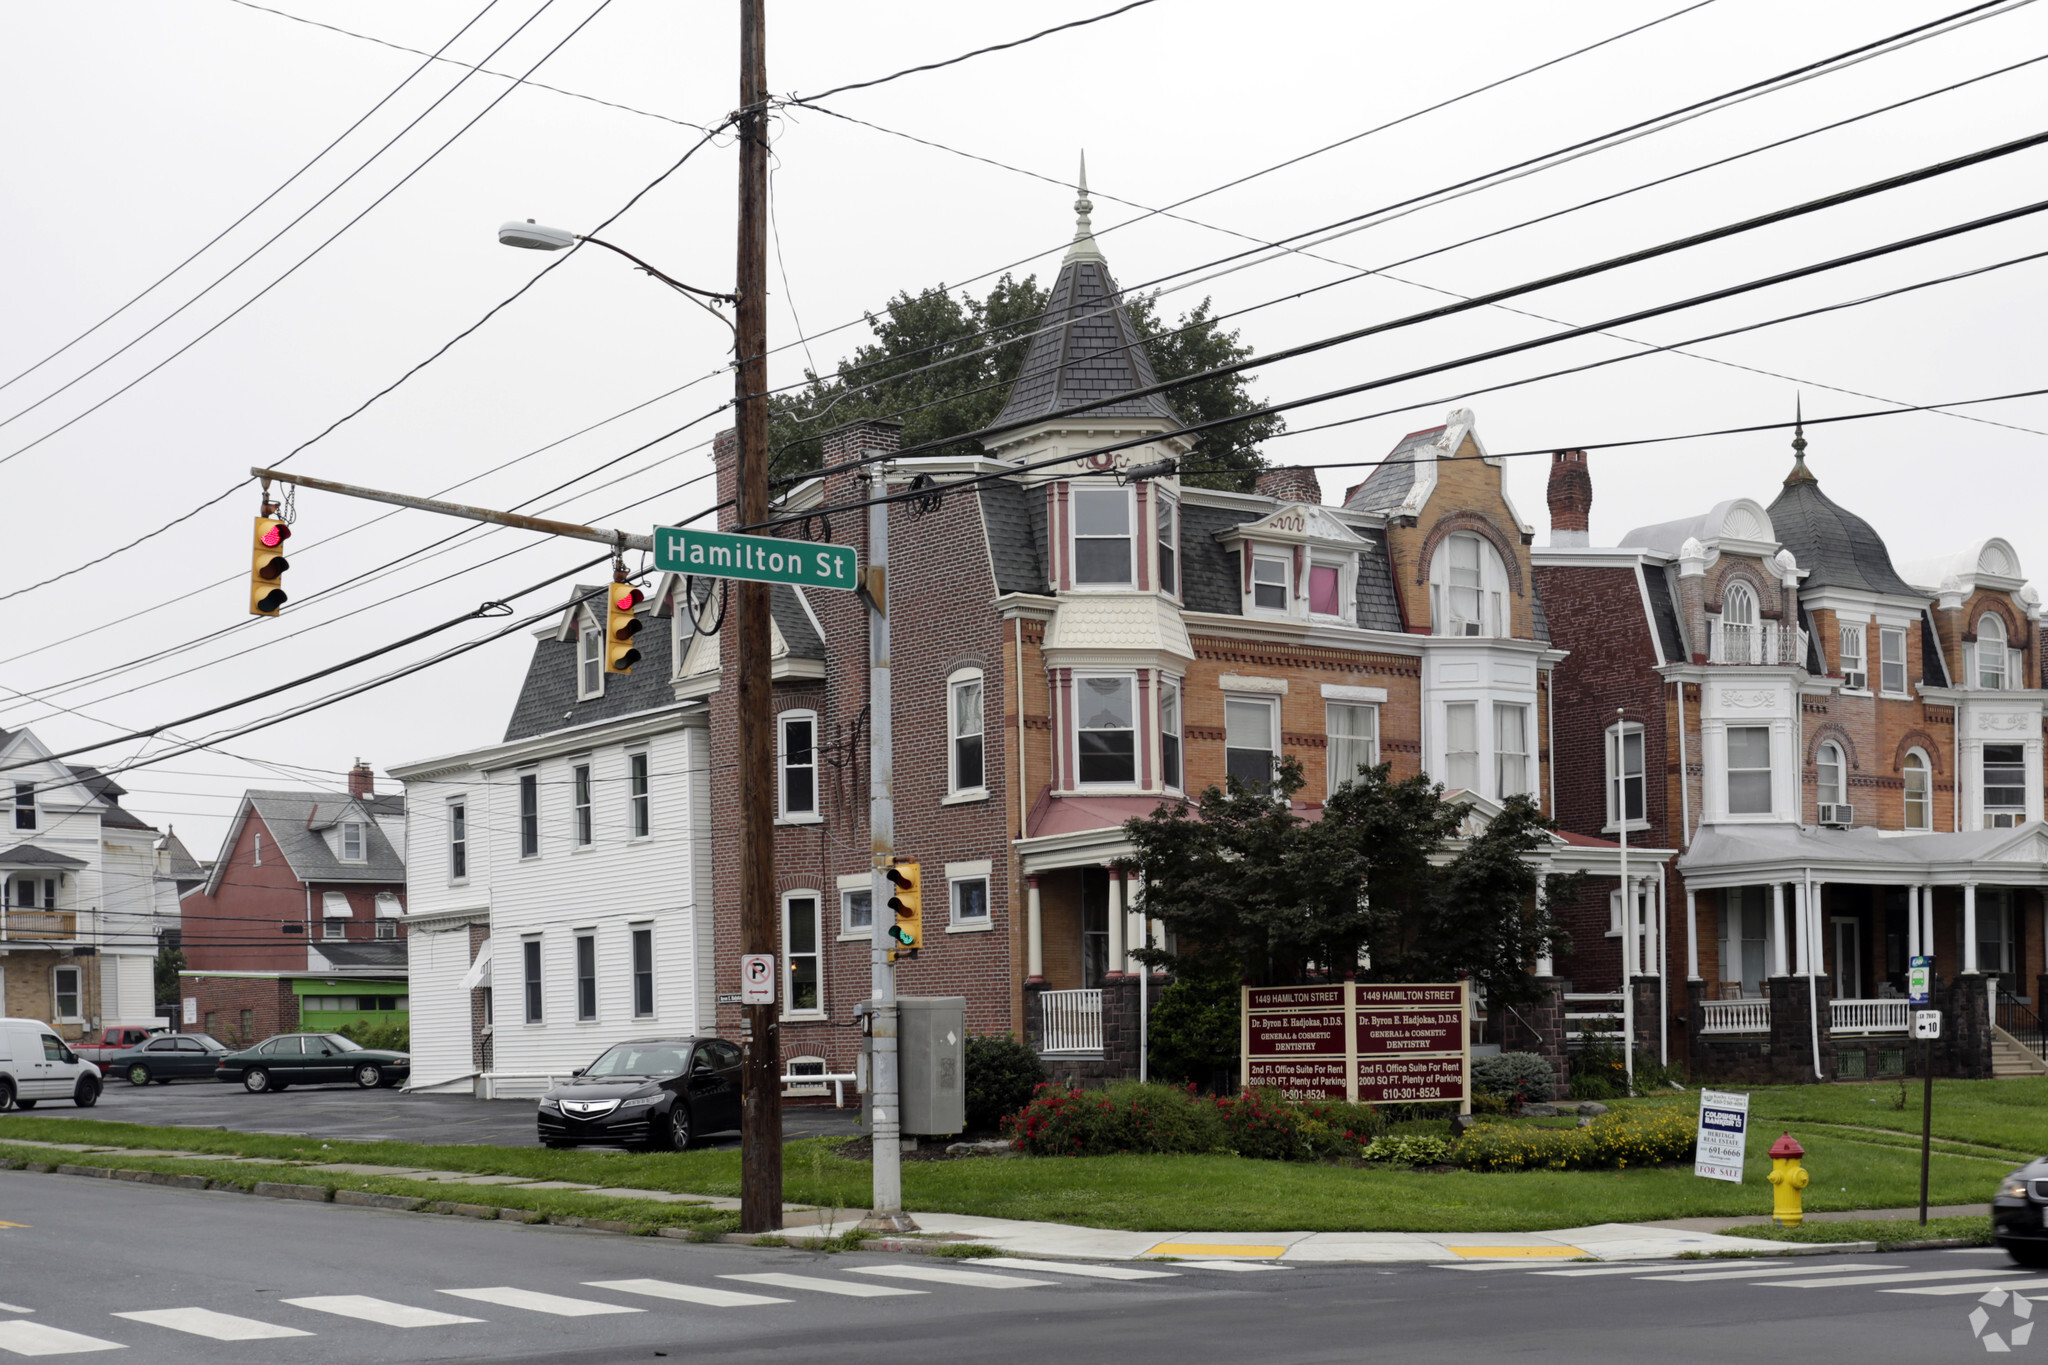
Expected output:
{"points": [[1371, 1043], [764, 559], [1918, 972], [757, 978], [1724, 1127], [191, 1009]]}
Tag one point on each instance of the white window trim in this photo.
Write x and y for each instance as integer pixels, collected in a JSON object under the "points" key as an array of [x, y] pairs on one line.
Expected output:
{"points": [[1271, 701], [1074, 746], [1339, 692], [1162, 503], [982, 871], [1179, 732], [633, 836], [1347, 588], [1905, 657], [1927, 770], [634, 928], [577, 843], [1478, 749], [2004, 653], [587, 633], [1330, 781], [33, 808], [1728, 812], [1132, 539], [955, 793], [576, 940], [1861, 659], [1528, 750], [77, 994], [1494, 611], [856, 881], [448, 843], [783, 816], [1610, 766], [1841, 766], [540, 1019], [788, 994], [1285, 559], [362, 854], [519, 816]]}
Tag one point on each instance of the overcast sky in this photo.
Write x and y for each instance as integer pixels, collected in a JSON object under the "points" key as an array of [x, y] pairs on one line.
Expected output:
{"points": [[135, 132]]}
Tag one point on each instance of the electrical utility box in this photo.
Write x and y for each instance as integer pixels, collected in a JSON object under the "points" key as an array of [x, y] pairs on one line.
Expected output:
{"points": [[931, 1064]]}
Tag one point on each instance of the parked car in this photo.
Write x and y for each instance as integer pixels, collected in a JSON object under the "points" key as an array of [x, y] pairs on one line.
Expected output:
{"points": [[655, 1093], [2019, 1214], [166, 1058], [116, 1038], [37, 1065], [311, 1059]]}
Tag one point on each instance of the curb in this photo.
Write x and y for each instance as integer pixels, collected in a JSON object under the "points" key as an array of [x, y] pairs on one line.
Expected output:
{"points": [[275, 1189]]}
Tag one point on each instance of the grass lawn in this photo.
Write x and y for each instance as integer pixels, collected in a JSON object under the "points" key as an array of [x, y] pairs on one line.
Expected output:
{"points": [[1883, 1231], [1862, 1152]]}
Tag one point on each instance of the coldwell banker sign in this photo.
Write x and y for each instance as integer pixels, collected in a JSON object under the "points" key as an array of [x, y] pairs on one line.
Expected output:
{"points": [[1724, 1125], [1375, 1044]]}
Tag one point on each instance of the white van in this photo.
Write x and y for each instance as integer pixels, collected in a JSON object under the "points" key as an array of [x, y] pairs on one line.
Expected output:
{"points": [[35, 1065]]}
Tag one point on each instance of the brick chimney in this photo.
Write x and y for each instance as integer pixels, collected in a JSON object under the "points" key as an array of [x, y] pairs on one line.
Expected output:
{"points": [[362, 782], [1571, 498], [1289, 485]]}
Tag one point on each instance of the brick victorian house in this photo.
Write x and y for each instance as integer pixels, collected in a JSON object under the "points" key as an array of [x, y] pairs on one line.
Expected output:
{"points": [[1848, 754], [300, 921]]}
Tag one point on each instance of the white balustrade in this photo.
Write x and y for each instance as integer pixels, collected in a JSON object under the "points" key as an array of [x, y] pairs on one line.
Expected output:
{"points": [[1073, 1021], [1735, 1016], [1870, 1016]]}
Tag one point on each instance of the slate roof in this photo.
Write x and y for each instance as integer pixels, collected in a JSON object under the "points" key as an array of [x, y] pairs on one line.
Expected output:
{"points": [[28, 855], [547, 699], [1013, 517], [1379, 607], [1837, 548], [386, 953], [1208, 571], [179, 864], [1388, 486], [1664, 614], [111, 792], [1085, 349], [291, 818], [799, 636]]}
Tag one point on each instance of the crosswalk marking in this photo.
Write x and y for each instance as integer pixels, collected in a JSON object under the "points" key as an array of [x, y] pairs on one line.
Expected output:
{"points": [[1720, 1274], [973, 1279], [842, 1287], [37, 1339], [385, 1313], [1093, 1272], [1905, 1277], [560, 1305], [14, 1308], [205, 1322], [2022, 1282], [685, 1293]]}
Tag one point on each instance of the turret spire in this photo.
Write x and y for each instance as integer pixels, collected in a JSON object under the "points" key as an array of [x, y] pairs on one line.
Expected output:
{"points": [[1800, 473], [1084, 248]]}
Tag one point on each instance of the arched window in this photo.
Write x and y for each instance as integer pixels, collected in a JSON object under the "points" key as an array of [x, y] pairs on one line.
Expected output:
{"points": [[1738, 626], [1919, 792], [1829, 763], [1467, 587], [1991, 652]]}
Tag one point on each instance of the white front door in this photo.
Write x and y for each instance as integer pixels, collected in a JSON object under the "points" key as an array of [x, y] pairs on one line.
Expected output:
{"points": [[1848, 968]]}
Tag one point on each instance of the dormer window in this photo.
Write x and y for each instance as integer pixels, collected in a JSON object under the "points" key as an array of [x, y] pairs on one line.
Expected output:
{"points": [[25, 805], [1102, 537], [351, 841], [1991, 660], [1468, 587], [1270, 582], [1325, 597], [589, 662]]}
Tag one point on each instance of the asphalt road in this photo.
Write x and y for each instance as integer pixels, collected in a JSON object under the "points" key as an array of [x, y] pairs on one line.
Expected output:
{"points": [[368, 1115], [93, 1266]]}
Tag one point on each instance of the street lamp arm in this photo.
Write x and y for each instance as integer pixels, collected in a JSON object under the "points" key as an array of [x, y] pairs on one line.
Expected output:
{"points": [[665, 279]]}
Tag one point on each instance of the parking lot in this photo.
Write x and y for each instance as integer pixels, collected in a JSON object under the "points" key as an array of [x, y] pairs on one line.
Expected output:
{"points": [[369, 1115]]}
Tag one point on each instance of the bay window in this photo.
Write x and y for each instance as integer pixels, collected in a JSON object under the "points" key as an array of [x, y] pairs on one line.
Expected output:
{"points": [[1169, 732], [1749, 770], [1102, 536], [1739, 644], [1251, 739], [1461, 746], [1168, 518], [1510, 750], [1105, 734]]}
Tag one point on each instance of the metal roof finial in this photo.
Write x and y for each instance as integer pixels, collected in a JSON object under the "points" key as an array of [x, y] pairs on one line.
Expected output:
{"points": [[1084, 248], [1800, 473]]}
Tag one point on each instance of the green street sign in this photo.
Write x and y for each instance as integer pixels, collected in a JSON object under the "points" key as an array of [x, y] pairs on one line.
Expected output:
{"points": [[765, 559]]}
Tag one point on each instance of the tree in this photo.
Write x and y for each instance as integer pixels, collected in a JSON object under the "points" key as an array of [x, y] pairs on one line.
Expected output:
{"points": [[169, 962], [930, 368], [1390, 883]]}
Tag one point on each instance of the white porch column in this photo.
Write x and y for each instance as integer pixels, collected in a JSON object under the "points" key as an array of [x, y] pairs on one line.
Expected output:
{"points": [[1779, 966], [1912, 923], [1135, 926], [1692, 935], [1114, 958], [1803, 920], [1034, 940], [1655, 911], [1969, 926], [1544, 965]]}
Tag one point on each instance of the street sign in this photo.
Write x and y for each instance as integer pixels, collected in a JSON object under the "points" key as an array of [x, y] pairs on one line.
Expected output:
{"points": [[757, 978], [765, 559], [1917, 973], [1724, 1125], [1927, 1023]]}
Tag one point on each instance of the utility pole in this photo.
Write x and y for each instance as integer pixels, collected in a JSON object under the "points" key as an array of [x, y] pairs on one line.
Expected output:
{"points": [[760, 1048]]}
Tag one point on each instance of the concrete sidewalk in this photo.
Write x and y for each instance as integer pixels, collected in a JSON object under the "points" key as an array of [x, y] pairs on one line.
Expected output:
{"points": [[1852, 1216]]}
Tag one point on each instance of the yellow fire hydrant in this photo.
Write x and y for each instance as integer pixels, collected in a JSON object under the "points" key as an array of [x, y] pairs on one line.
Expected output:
{"points": [[1788, 1177]]}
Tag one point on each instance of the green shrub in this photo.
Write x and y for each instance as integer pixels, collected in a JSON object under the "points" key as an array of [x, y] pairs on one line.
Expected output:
{"points": [[382, 1037], [1149, 1117], [1409, 1151], [1598, 1070], [1517, 1077], [1522, 1147], [1262, 1125], [1146, 1118], [1001, 1074], [1643, 1136], [1059, 1121], [1192, 1034], [1359, 1122]]}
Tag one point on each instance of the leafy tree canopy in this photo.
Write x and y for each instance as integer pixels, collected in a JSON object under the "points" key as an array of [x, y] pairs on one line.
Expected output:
{"points": [[930, 368], [1388, 884]]}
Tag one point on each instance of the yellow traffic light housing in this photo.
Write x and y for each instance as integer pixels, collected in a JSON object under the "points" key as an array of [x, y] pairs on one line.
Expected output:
{"points": [[906, 904], [622, 623], [267, 565]]}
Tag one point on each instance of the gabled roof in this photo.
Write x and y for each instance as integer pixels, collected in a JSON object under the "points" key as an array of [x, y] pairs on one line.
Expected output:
{"points": [[1389, 485], [28, 855], [294, 820]]}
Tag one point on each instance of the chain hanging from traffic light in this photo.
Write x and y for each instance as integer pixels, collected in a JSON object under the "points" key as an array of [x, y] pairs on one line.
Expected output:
{"points": [[906, 904], [621, 621], [266, 559]]}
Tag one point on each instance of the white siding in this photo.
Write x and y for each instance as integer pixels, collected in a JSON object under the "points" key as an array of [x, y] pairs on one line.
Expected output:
{"points": [[440, 1008]]}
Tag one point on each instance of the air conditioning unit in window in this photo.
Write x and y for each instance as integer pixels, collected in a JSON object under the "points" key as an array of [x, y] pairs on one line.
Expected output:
{"points": [[2004, 819], [1840, 816], [1854, 681]]}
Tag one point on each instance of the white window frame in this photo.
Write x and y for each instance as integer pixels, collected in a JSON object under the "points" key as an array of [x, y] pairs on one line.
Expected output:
{"points": [[784, 812], [1461, 766], [1166, 541], [361, 840], [77, 993], [2001, 817], [956, 735], [387, 928], [1747, 621], [1240, 700], [533, 995], [1886, 635], [964, 874], [1830, 755], [1130, 681], [458, 840], [1076, 492], [1284, 562], [528, 785], [1173, 749], [1490, 593], [589, 659], [582, 814], [852, 885], [584, 954], [1769, 770], [1993, 665], [1338, 773], [1917, 762], [1346, 569], [816, 952], [1855, 658], [27, 807], [638, 934], [639, 795], [1502, 756], [333, 929], [1618, 777]]}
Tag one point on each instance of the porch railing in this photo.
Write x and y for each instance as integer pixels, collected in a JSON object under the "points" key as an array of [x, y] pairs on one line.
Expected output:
{"points": [[1072, 1019], [1870, 1016], [38, 924], [2022, 1023], [1735, 1016], [1597, 1013]]}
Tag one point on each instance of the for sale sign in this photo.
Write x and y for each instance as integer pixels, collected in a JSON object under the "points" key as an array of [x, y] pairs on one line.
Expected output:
{"points": [[1376, 1044], [1724, 1127]]}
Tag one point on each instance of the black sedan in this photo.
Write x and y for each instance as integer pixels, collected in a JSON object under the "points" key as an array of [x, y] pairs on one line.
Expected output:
{"points": [[654, 1093], [2019, 1214], [312, 1059], [170, 1057]]}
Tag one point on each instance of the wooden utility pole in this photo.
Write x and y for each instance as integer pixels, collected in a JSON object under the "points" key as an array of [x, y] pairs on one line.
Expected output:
{"points": [[761, 1049]]}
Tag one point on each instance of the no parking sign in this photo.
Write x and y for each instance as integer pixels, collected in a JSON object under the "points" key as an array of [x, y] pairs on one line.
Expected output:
{"points": [[757, 978]]}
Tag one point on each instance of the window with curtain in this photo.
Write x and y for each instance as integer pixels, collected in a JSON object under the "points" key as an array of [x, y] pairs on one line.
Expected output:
{"points": [[1105, 733], [1739, 643], [1102, 535], [1251, 735], [964, 715], [1324, 583], [1891, 647], [1919, 792], [800, 938], [1461, 745], [1467, 587], [1749, 769], [1353, 729], [1169, 732], [1991, 653], [1828, 766], [1510, 750], [1625, 793]]}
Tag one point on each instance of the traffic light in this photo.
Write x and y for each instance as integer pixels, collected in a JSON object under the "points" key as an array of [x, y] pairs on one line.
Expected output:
{"points": [[267, 565], [620, 626], [907, 905]]}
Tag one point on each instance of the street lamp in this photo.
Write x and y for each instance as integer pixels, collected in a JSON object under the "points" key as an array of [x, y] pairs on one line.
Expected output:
{"points": [[532, 236]]}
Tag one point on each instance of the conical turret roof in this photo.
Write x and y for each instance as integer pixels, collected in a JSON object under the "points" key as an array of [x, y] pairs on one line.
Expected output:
{"points": [[1837, 548]]}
